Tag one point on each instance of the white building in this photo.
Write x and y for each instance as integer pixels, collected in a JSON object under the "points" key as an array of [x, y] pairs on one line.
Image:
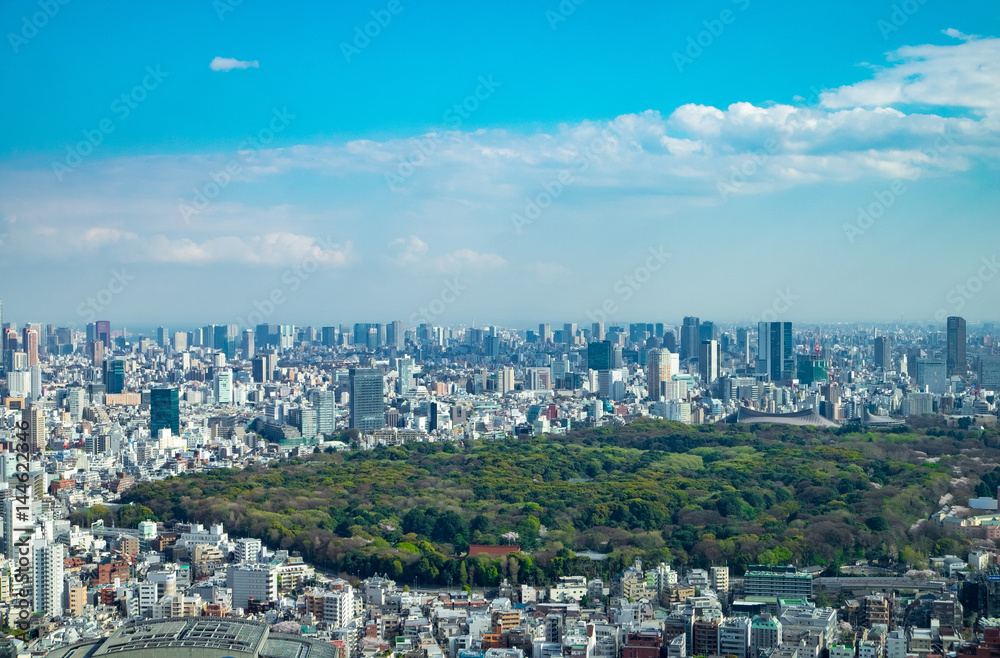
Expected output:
{"points": [[339, 605], [252, 582], [47, 581], [247, 550]]}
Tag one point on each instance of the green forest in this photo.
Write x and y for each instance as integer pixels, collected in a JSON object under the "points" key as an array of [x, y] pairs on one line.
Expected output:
{"points": [[691, 496]]}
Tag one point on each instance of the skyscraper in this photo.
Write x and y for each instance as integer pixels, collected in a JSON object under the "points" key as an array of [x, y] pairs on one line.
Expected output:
{"points": [[394, 335], [569, 333], [597, 331], [30, 345], [97, 353], [599, 355], [163, 337], [36, 428], [690, 337], [325, 403], [544, 333], [103, 332], [367, 407], [224, 386], [47, 585], [774, 350], [957, 364], [708, 361], [116, 376], [164, 411], [883, 353], [658, 366]]}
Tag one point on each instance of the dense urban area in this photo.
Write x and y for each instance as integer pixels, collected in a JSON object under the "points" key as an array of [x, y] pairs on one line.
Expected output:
{"points": [[634, 491]]}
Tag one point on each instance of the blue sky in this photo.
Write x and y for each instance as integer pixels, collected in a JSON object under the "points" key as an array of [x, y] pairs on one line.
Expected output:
{"points": [[306, 154]]}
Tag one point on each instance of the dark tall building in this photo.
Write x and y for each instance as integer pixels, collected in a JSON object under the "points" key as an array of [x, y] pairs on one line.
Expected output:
{"points": [[266, 336], [775, 350], [104, 332], [395, 335], [707, 331], [883, 354], [115, 378], [225, 340], [367, 403], [690, 338], [163, 337], [329, 336], [599, 355], [957, 363], [164, 411]]}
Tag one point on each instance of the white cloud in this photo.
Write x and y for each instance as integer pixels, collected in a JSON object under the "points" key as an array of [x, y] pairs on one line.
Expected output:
{"points": [[271, 250], [409, 250], [965, 75], [466, 259], [229, 63]]}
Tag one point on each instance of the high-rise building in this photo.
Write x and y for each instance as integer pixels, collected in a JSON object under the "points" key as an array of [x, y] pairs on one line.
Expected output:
{"points": [[690, 337], [116, 376], [164, 411], [76, 398], [103, 332], [97, 353], [247, 343], [658, 367], [325, 403], [367, 406], [957, 364], [932, 373], [36, 428], [329, 336], [569, 333], [709, 357], [599, 355], [395, 335], [989, 372], [261, 368], [883, 353], [597, 331], [180, 341], [30, 345], [544, 333], [505, 380], [163, 337], [774, 350], [405, 381], [223, 386], [47, 581]]}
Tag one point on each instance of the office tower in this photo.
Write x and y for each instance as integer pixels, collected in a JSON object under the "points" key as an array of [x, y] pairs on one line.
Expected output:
{"points": [[30, 345], [247, 343], [261, 368], [395, 335], [538, 379], [208, 336], [367, 408], [599, 355], [163, 337], [36, 382], [225, 339], [180, 341], [36, 428], [658, 366], [569, 333], [606, 381], [957, 365], [47, 581], [597, 331], [989, 372], [505, 380], [97, 353], [743, 344], [76, 398], [491, 346], [932, 373], [708, 361], [325, 404], [405, 382], [774, 350], [371, 341], [224, 386], [707, 331], [330, 336], [883, 354], [116, 376], [286, 336], [690, 337], [102, 331], [252, 582], [164, 411], [544, 333]]}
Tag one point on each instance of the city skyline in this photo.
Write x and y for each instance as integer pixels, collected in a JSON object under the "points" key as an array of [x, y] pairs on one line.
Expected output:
{"points": [[374, 177]]}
